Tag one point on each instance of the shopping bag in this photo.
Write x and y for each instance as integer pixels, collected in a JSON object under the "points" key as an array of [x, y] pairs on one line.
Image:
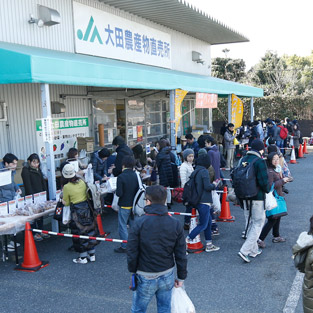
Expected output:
{"points": [[291, 142], [181, 303], [270, 200], [216, 202], [115, 206], [111, 184], [66, 218], [58, 212], [177, 195], [280, 210]]}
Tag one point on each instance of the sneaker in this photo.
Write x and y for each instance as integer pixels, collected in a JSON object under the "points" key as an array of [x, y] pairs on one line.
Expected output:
{"points": [[91, 258], [215, 232], [278, 239], [227, 168], [244, 257], [255, 255], [261, 243], [80, 261], [211, 248], [45, 236], [186, 226], [37, 237], [11, 245], [120, 250]]}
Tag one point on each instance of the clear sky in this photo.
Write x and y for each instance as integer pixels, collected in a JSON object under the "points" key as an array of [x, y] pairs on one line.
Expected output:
{"points": [[283, 26]]}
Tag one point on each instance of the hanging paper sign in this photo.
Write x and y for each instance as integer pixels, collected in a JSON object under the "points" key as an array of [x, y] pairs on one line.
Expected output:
{"points": [[36, 198], [12, 206], [21, 203], [148, 150], [29, 199], [206, 100], [236, 111], [134, 132], [43, 196], [4, 208], [139, 134], [57, 195], [5, 177]]}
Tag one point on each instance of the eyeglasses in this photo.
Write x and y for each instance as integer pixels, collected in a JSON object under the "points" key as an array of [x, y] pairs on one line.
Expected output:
{"points": [[147, 199]]}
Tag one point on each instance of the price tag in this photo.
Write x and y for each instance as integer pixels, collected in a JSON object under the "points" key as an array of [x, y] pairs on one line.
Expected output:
{"points": [[36, 198], [29, 199], [21, 203], [12, 207], [43, 196], [4, 208]]}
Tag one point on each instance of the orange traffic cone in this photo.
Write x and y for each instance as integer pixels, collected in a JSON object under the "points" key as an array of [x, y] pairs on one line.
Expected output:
{"points": [[300, 153], [195, 245], [293, 156], [225, 211], [305, 151], [31, 261]]}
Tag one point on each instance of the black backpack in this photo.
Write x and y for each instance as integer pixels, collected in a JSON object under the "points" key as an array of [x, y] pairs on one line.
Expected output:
{"points": [[244, 180], [190, 193]]}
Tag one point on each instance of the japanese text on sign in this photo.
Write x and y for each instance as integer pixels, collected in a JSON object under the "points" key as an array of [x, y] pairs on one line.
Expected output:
{"points": [[107, 35], [206, 100]]}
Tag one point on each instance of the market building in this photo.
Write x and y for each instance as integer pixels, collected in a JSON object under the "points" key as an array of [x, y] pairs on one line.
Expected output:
{"points": [[100, 68]]}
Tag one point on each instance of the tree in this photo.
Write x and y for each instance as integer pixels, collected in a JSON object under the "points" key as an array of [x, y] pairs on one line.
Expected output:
{"points": [[229, 69]]}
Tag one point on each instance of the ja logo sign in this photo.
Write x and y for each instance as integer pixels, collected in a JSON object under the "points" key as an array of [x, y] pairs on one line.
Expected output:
{"points": [[95, 33]]}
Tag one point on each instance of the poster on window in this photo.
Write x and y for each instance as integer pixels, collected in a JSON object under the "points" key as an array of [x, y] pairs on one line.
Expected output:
{"points": [[65, 132], [139, 134]]}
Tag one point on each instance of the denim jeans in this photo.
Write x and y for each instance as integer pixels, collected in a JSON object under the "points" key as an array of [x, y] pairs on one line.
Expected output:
{"points": [[147, 288], [123, 218], [188, 210], [280, 145], [204, 224]]}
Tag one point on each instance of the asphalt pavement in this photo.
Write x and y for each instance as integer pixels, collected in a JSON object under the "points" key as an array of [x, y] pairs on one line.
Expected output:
{"points": [[218, 282]]}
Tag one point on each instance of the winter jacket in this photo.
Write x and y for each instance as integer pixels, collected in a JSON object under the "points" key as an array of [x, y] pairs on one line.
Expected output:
{"points": [[306, 240], [260, 131], [260, 169], [276, 135], [275, 178], [296, 136], [215, 158], [33, 180], [174, 167], [127, 187], [156, 242], [99, 166], [163, 161], [229, 140], [203, 184], [185, 171], [8, 192], [194, 146], [122, 151]]}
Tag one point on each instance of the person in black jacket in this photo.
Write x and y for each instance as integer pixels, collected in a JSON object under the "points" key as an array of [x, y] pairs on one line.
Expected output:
{"points": [[204, 188], [122, 150], [126, 189], [34, 182], [163, 161], [155, 244]]}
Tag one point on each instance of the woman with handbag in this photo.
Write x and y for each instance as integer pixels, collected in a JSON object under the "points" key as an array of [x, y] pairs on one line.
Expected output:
{"points": [[82, 218], [274, 177]]}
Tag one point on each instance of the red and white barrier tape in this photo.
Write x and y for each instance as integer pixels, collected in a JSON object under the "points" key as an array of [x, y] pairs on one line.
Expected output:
{"points": [[178, 213], [77, 236]]}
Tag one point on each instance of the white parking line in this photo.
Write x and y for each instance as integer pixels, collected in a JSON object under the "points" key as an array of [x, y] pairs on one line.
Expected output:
{"points": [[294, 294]]}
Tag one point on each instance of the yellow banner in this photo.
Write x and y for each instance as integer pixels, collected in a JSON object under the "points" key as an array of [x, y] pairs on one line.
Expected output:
{"points": [[179, 97], [236, 111]]}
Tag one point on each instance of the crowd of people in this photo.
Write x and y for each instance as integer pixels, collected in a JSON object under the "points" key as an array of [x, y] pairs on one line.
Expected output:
{"points": [[156, 241]]}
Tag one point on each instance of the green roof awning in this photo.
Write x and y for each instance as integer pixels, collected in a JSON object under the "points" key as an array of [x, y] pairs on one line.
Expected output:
{"points": [[23, 64]]}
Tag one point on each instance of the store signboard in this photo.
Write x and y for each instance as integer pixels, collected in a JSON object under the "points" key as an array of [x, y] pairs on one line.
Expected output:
{"points": [[65, 132], [206, 100], [100, 33]]}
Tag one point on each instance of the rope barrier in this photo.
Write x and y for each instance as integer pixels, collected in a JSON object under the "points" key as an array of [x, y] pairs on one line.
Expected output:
{"points": [[178, 213], [76, 236]]}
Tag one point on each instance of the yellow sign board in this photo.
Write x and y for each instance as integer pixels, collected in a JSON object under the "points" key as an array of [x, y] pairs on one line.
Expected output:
{"points": [[236, 111], [179, 97]]}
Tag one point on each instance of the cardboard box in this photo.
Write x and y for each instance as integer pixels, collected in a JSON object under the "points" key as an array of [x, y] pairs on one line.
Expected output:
{"points": [[86, 143]]}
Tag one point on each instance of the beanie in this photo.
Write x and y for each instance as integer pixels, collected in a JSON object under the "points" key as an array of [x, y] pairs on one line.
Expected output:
{"points": [[186, 153], [257, 145], [202, 152], [204, 160]]}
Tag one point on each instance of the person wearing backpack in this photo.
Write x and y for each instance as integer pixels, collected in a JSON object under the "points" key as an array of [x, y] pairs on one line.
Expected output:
{"points": [[283, 134], [305, 243], [202, 199], [126, 189], [252, 198]]}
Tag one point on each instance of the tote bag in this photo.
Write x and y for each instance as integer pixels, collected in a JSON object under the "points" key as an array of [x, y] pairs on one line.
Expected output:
{"points": [[280, 210]]}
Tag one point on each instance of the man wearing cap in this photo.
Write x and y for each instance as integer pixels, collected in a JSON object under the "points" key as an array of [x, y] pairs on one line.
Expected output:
{"points": [[256, 205]]}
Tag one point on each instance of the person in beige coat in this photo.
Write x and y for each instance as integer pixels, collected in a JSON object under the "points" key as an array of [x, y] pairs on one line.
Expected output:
{"points": [[305, 240]]}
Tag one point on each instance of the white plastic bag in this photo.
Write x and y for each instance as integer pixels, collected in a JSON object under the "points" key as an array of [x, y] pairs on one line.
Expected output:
{"points": [[115, 206], [181, 303], [111, 184], [291, 143], [66, 218], [270, 201], [216, 202]]}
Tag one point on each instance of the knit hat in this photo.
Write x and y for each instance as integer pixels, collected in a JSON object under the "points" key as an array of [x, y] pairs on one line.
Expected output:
{"points": [[202, 152], [186, 153], [204, 160], [257, 145], [68, 171]]}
